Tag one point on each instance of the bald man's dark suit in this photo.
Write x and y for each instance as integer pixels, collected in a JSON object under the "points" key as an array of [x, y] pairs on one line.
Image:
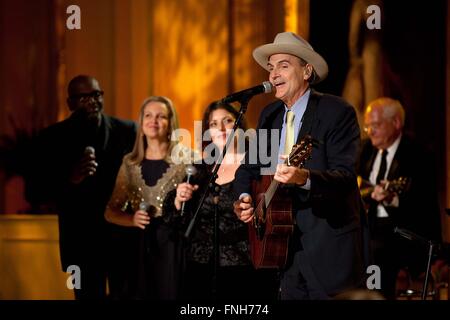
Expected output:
{"points": [[418, 211]]}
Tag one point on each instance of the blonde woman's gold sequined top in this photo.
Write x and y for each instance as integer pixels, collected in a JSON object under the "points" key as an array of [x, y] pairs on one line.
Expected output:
{"points": [[130, 189]]}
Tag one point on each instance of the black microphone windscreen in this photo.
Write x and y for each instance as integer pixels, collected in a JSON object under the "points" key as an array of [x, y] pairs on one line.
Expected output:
{"points": [[245, 95]]}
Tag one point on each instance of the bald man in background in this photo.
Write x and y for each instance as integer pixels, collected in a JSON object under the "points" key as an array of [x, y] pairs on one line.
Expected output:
{"points": [[388, 155]]}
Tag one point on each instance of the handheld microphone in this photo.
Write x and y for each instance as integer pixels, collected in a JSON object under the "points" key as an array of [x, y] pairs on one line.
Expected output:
{"points": [[265, 87], [144, 206], [89, 150], [190, 171]]}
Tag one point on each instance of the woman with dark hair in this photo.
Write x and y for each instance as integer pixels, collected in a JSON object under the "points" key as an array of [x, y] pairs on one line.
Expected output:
{"points": [[146, 175], [236, 277]]}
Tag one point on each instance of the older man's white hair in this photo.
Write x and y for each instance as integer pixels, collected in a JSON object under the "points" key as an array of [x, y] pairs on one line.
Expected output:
{"points": [[391, 108]]}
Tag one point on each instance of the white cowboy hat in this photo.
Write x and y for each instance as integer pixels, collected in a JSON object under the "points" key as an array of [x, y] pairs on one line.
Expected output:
{"points": [[288, 42]]}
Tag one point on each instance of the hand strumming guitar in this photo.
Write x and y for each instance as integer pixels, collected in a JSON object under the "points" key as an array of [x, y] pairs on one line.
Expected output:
{"points": [[382, 194], [244, 208], [386, 192]]}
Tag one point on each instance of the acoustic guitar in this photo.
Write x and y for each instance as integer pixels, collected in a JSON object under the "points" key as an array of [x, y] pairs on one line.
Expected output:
{"points": [[397, 186], [273, 222]]}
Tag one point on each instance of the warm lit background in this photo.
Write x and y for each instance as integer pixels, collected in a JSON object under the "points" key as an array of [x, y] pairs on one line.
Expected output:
{"points": [[196, 52]]}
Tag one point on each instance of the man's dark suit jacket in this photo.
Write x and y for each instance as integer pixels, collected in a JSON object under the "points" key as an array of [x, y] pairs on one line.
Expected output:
{"points": [[418, 208], [328, 216], [83, 231]]}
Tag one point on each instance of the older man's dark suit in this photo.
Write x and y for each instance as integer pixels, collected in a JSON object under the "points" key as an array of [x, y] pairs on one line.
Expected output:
{"points": [[418, 210], [327, 246]]}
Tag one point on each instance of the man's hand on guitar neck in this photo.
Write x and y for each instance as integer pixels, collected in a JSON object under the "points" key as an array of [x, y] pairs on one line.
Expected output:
{"points": [[244, 208], [295, 175]]}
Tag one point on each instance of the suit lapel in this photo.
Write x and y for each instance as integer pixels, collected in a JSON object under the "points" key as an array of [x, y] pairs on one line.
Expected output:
{"points": [[394, 169], [369, 164], [107, 130], [278, 121], [309, 115], [274, 120]]}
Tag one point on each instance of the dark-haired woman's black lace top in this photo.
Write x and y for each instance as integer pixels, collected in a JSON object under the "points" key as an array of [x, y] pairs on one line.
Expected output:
{"points": [[233, 233]]}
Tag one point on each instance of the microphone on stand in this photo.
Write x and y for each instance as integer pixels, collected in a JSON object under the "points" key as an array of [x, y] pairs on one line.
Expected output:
{"points": [[407, 234], [190, 171], [265, 87]]}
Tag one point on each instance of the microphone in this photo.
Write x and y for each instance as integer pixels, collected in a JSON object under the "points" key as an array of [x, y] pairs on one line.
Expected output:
{"points": [[90, 150], [265, 87], [144, 206], [147, 207], [190, 171]]}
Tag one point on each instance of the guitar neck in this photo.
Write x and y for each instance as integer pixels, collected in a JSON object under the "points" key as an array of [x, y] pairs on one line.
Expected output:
{"points": [[298, 155], [390, 186], [271, 192], [365, 192]]}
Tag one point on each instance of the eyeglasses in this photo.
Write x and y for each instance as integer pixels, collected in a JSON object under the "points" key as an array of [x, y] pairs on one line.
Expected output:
{"points": [[83, 97], [373, 126]]}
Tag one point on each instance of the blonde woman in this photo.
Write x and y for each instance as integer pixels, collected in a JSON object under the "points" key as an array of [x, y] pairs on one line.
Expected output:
{"points": [[146, 175]]}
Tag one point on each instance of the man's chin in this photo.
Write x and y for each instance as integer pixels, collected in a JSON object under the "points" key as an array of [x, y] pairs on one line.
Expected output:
{"points": [[95, 115], [279, 95], [93, 118]]}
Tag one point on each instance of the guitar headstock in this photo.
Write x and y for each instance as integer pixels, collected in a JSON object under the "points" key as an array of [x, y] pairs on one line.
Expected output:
{"points": [[398, 185], [300, 152]]}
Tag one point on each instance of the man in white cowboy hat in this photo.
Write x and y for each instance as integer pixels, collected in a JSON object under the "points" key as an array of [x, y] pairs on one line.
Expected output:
{"points": [[326, 253]]}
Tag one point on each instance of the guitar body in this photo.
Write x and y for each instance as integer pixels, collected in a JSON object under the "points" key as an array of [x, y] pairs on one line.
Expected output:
{"points": [[273, 223], [397, 186], [271, 228]]}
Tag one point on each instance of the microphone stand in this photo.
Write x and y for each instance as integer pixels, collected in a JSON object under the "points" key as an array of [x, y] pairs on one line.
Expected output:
{"points": [[425, 284], [431, 244], [216, 247], [213, 186]]}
